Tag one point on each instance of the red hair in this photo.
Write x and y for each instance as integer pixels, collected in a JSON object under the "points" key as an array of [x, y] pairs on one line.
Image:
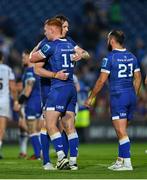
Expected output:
{"points": [[53, 22]]}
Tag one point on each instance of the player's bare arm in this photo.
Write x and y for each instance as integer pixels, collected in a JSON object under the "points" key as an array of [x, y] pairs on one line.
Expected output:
{"points": [[14, 92], [80, 54], [36, 57], [39, 70], [13, 89], [137, 81], [98, 86], [28, 87], [26, 92], [35, 49]]}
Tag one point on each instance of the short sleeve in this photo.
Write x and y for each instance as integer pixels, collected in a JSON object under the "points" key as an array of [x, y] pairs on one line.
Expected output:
{"points": [[136, 65], [46, 50], [106, 65], [29, 77]]}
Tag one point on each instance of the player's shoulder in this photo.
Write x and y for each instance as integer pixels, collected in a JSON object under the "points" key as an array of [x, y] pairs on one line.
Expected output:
{"points": [[5, 66], [43, 41], [107, 61], [108, 57], [113, 53], [131, 54], [7, 70], [48, 45], [119, 53]]}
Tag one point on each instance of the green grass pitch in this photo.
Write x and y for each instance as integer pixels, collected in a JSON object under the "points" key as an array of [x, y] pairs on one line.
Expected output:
{"points": [[93, 161]]}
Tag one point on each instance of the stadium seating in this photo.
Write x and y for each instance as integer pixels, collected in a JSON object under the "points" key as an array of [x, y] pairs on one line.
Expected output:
{"points": [[134, 14], [28, 17]]}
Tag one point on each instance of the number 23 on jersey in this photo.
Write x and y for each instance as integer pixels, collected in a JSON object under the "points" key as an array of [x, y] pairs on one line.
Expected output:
{"points": [[125, 70]]}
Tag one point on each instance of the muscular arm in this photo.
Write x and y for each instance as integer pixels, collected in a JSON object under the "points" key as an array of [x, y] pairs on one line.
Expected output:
{"points": [[98, 86], [80, 54], [12, 85], [39, 70], [26, 92], [36, 48], [137, 81], [84, 54], [28, 88], [36, 57]]}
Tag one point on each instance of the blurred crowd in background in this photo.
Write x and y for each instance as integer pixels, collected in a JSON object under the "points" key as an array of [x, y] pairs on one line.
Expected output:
{"points": [[21, 27]]}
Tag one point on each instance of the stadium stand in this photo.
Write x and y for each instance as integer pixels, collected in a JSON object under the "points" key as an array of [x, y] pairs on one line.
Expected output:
{"points": [[21, 26]]}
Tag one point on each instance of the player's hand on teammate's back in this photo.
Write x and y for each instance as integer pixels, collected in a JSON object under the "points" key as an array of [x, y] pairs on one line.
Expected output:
{"points": [[62, 75]]}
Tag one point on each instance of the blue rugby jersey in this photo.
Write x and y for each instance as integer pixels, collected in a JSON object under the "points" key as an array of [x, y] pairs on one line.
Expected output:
{"points": [[120, 65], [30, 75], [59, 55]]}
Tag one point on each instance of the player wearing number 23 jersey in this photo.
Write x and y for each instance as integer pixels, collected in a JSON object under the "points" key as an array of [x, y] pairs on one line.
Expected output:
{"points": [[121, 65], [122, 70]]}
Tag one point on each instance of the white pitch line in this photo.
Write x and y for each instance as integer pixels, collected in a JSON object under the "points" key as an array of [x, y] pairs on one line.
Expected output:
{"points": [[102, 165]]}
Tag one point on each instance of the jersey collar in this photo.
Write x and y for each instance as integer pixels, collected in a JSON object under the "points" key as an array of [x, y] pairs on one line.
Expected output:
{"points": [[120, 49], [62, 39]]}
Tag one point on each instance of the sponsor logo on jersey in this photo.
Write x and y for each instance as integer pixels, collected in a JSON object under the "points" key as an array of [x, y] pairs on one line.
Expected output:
{"points": [[104, 62], [60, 146], [59, 107], [123, 114], [45, 48]]}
